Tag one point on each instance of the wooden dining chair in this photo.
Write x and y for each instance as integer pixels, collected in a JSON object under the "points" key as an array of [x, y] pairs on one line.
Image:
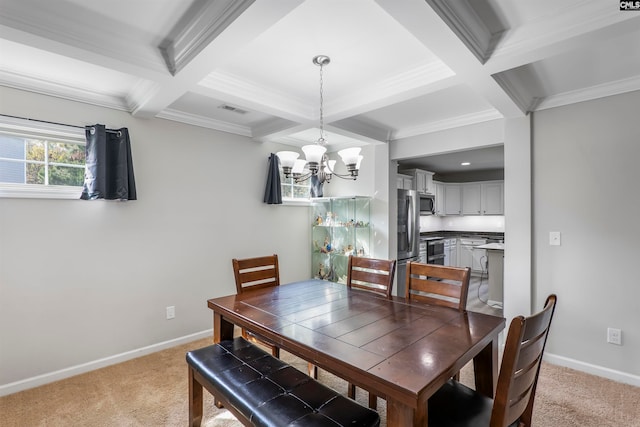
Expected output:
{"points": [[438, 285], [457, 405], [372, 275], [252, 274]]}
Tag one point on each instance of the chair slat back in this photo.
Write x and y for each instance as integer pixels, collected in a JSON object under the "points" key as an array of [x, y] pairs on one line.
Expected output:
{"points": [[520, 367], [374, 275], [438, 285], [256, 273]]}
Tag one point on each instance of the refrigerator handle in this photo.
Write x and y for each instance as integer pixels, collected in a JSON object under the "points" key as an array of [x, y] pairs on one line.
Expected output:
{"points": [[410, 215]]}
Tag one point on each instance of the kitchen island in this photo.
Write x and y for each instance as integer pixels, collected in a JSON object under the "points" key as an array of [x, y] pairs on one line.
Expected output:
{"points": [[495, 261]]}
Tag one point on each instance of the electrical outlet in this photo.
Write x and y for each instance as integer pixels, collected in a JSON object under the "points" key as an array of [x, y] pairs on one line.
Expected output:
{"points": [[554, 238], [171, 312], [614, 336]]}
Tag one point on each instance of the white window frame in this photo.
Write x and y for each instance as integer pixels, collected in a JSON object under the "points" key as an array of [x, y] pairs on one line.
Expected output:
{"points": [[294, 201], [44, 131]]}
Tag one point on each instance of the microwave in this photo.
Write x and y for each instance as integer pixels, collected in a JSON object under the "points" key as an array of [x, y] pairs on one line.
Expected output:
{"points": [[427, 204]]}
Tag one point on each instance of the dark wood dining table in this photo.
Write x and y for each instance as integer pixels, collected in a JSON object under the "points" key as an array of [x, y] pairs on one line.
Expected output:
{"points": [[400, 350]]}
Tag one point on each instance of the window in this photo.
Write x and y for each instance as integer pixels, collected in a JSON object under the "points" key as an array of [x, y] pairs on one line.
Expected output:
{"points": [[292, 192], [40, 159]]}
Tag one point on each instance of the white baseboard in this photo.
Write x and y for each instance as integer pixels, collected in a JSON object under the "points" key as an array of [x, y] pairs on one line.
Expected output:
{"points": [[97, 364], [601, 371], [39, 380]]}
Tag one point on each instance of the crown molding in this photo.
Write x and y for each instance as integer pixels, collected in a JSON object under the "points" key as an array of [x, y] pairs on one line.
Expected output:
{"points": [[523, 101], [568, 23], [66, 33], [58, 90], [204, 26], [594, 92], [463, 120], [205, 122], [463, 21], [140, 93]]}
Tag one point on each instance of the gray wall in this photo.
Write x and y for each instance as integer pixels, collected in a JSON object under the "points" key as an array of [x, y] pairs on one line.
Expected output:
{"points": [[571, 169], [82, 281], [586, 178]]}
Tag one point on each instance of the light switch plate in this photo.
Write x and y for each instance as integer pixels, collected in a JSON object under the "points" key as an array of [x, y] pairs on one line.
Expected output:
{"points": [[554, 238]]}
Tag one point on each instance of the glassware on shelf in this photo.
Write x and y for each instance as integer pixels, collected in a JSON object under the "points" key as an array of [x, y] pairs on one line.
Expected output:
{"points": [[340, 227]]}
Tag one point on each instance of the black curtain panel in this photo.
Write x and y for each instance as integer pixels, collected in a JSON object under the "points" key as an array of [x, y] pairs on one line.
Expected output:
{"points": [[273, 190], [109, 167]]}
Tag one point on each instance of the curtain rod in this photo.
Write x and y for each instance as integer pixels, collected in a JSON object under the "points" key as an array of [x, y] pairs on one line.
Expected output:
{"points": [[56, 123]]}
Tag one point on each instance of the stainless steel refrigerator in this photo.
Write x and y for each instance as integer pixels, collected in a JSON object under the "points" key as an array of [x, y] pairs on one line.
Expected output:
{"points": [[408, 235]]}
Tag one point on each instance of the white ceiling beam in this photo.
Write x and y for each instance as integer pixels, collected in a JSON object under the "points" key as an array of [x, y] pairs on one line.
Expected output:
{"points": [[428, 27], [575, 29], [256, 19]]}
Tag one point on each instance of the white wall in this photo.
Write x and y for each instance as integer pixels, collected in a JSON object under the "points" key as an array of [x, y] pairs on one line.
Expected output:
{"points": [[373, 181], [586, 178], [81, 281]]}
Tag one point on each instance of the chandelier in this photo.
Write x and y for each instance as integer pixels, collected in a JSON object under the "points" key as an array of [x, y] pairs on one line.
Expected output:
{"points": [[317, 161]]}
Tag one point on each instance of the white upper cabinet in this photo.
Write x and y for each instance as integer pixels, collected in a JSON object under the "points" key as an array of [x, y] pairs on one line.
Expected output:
{"points": [[493, 198], [404, 182], [422, 180], [472, 198], [452, 199], [439, 190]]}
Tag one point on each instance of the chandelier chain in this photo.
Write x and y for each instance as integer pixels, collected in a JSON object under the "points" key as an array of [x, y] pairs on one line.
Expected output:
{"points": [[321, 105]]}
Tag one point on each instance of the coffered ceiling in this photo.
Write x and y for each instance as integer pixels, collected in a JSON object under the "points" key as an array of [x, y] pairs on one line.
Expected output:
{"points": [[398, 68]]}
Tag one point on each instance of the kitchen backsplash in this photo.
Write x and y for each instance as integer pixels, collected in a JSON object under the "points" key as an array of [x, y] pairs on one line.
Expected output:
{"points": [[492, 223]]}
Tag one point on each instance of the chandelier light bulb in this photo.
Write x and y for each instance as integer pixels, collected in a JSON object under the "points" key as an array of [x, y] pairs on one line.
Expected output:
{"points": [[314, 153], [350, 155], [287, 158]]}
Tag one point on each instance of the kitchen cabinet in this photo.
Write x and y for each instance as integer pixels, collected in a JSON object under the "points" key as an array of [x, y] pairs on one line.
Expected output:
{"points": [[404, 182], [471, 199], [422, 180], [439, 191], [474, 198], [452, 199], [469, 256], [451, 252], [493, 198], [340, 227]]}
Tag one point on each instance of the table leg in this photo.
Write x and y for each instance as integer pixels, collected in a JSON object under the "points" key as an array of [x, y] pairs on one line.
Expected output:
{"points": [[485, 366], [399, 415], [222, 329], [195, 401]]}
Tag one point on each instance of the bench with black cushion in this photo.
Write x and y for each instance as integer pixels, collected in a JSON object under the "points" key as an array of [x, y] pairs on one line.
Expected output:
{"points": [[261, 390]]}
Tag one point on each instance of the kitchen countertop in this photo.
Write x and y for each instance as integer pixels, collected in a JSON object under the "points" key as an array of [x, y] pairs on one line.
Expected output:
{"points": [[463, 234], [492, 246]]}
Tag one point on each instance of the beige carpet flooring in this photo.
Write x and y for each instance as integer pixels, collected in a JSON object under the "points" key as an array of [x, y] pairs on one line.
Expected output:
{"points": [[152, 391]]}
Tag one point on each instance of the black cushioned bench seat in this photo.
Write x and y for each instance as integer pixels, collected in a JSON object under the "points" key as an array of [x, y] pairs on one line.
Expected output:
{"points": [[261, 390]]}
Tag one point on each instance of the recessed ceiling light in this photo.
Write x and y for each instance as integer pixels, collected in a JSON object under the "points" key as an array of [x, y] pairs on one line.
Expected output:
{"points": [[465, 164]]}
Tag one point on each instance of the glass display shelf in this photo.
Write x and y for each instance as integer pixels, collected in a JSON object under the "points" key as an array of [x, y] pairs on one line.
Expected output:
{"points": [[340, 227]]}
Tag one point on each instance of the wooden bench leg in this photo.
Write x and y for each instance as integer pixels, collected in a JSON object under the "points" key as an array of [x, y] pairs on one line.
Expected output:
{"points": [[195, 400], [351, 391], [313, 370], [373, 401]]}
